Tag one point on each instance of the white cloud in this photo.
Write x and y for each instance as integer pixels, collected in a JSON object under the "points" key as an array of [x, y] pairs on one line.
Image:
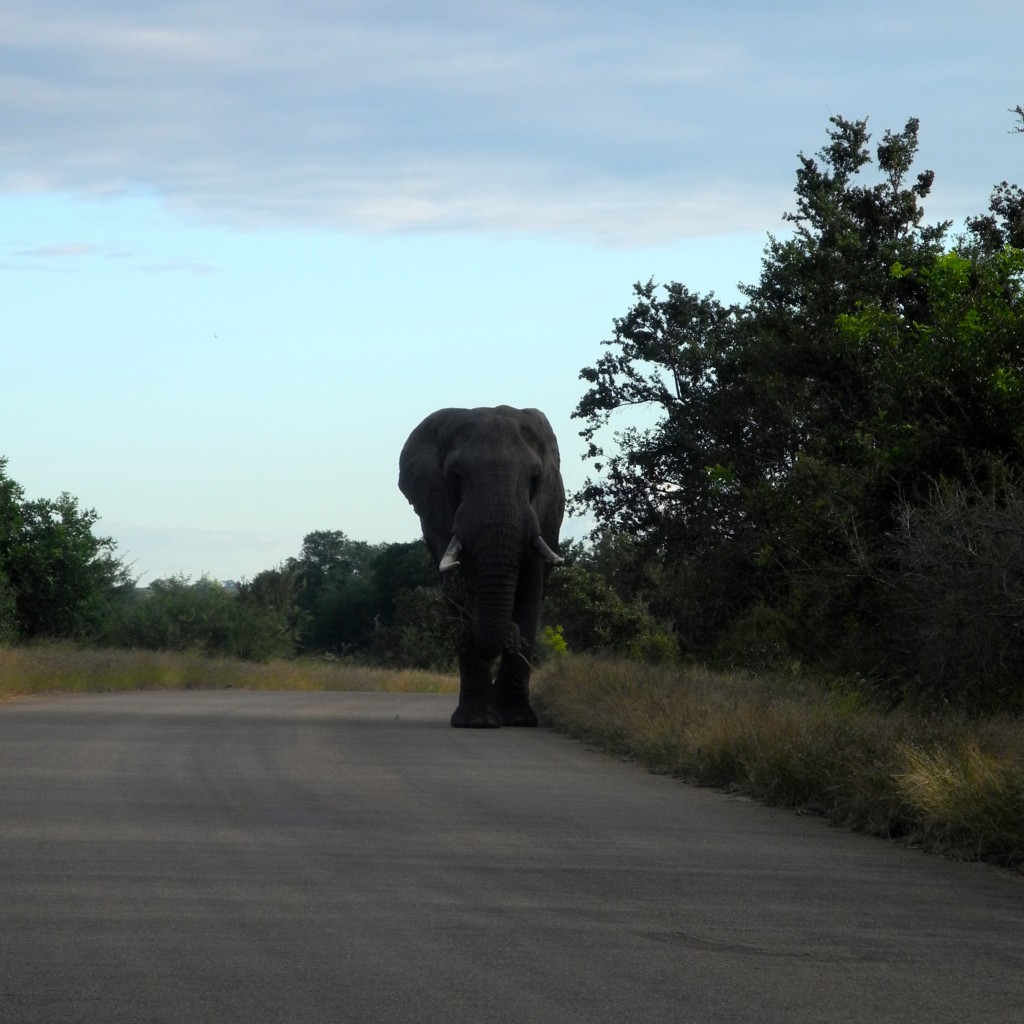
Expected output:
{"points": [[618, 124], [61, 250]]}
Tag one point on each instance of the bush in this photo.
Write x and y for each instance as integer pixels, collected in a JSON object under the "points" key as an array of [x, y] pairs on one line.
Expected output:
{"points": [[550, 644], [424, 633], [8, 612], [592, 616], [759, 640], [656, 648], [176, 615], [956, 617]]}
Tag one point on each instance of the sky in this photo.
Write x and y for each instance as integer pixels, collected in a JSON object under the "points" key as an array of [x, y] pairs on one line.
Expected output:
{"points": [[245, 247]]}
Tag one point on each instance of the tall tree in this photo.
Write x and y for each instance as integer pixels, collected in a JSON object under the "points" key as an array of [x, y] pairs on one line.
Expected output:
{"points": [[777, 434]]}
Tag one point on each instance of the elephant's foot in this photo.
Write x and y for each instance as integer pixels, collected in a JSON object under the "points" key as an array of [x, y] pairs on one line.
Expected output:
{"points": [[475, 715], [517, 713]]}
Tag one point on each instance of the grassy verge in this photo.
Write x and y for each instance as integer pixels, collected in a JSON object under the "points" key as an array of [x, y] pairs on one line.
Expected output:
{"points": [[947, 784], [65, 668]]}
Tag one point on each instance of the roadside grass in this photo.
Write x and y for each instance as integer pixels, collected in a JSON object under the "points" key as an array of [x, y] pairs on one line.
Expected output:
{"points": [[67, 668], [946, 783]]}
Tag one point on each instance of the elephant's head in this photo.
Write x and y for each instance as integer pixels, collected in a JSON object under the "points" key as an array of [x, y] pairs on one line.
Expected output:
{"points": [[487, 488]]}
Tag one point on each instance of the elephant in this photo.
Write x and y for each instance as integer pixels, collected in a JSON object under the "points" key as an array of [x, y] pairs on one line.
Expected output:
{"points": [[487, 488]]}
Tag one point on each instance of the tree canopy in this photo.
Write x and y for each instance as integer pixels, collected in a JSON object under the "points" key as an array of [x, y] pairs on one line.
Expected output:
{"points": [[778, 436], [57, 577]]}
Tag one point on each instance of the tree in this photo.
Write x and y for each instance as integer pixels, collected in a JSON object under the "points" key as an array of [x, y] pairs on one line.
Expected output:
{"points": [[776, 435], [422, 634], [8, 612], [178, 615], [343, 593], [588, 615], [956, 602], [334, 591], [59, 576], [272, 594], [396, 570]]}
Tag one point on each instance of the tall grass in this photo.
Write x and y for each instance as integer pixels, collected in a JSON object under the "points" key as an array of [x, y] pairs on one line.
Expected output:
{"points": [[946, 783], [66, 668]]}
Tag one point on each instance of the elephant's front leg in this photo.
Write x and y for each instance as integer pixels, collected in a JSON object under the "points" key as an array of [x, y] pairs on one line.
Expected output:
{"points": [[513, 681], [513, 686], [476, 708]]}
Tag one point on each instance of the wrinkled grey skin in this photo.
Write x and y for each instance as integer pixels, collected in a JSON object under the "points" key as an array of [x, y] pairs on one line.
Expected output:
{"points": [[489, 480]]}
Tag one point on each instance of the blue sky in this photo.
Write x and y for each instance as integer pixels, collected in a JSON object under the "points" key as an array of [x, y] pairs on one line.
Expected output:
{"points": [[246, 247]]}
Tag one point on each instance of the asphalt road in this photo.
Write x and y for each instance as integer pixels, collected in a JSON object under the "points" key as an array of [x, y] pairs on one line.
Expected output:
{"points": [[283, 857]]}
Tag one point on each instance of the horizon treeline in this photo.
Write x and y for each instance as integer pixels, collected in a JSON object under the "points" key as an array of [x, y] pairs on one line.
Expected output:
{"points": [[379, 604]]}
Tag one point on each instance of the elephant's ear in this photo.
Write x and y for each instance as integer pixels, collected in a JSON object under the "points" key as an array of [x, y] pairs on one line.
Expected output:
{"points": [[550, 500], [421, 480]]}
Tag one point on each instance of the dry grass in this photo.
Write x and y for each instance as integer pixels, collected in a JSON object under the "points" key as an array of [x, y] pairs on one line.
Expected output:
{"points": [[948, 784], [971, 799], [67, 668]]}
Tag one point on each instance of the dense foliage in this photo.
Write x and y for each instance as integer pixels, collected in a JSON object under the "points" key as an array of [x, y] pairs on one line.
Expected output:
{"points": [[337, 597], [794, 442], [57, 578]]}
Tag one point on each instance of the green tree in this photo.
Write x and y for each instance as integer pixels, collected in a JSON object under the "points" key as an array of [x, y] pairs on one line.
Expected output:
{"points": [[334, 591], [396, 570], [422, 633], [59, 576], [8, 612], [10, 527], [273, 594], [777, 435], [178, 615], [584, 609], [1003, 224]]}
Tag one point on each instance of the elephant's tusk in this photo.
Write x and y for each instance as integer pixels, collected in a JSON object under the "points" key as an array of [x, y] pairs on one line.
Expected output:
{"points": [[549, 556], [450, 559]]}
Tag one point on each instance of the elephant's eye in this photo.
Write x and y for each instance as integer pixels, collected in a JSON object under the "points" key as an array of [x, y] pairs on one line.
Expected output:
{"points": [[534, 485]]}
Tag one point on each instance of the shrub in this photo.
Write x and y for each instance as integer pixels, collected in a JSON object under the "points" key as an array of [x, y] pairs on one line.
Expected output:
{"points": [[8, 612], [760, 639], [423, 635], [591, 614], [656, 648], [956, 607], [176, 615], [551, 644]]}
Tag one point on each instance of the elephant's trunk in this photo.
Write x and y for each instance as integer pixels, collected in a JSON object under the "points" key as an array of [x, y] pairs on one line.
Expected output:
{"points": [[492, 533], [495, 593]]}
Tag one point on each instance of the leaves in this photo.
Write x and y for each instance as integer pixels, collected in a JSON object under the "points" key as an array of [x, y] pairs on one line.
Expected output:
{"points": [[58, 576], [757, 451]]}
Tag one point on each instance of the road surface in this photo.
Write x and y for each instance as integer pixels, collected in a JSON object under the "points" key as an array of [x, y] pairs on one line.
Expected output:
{"points": [[288, 857]]}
